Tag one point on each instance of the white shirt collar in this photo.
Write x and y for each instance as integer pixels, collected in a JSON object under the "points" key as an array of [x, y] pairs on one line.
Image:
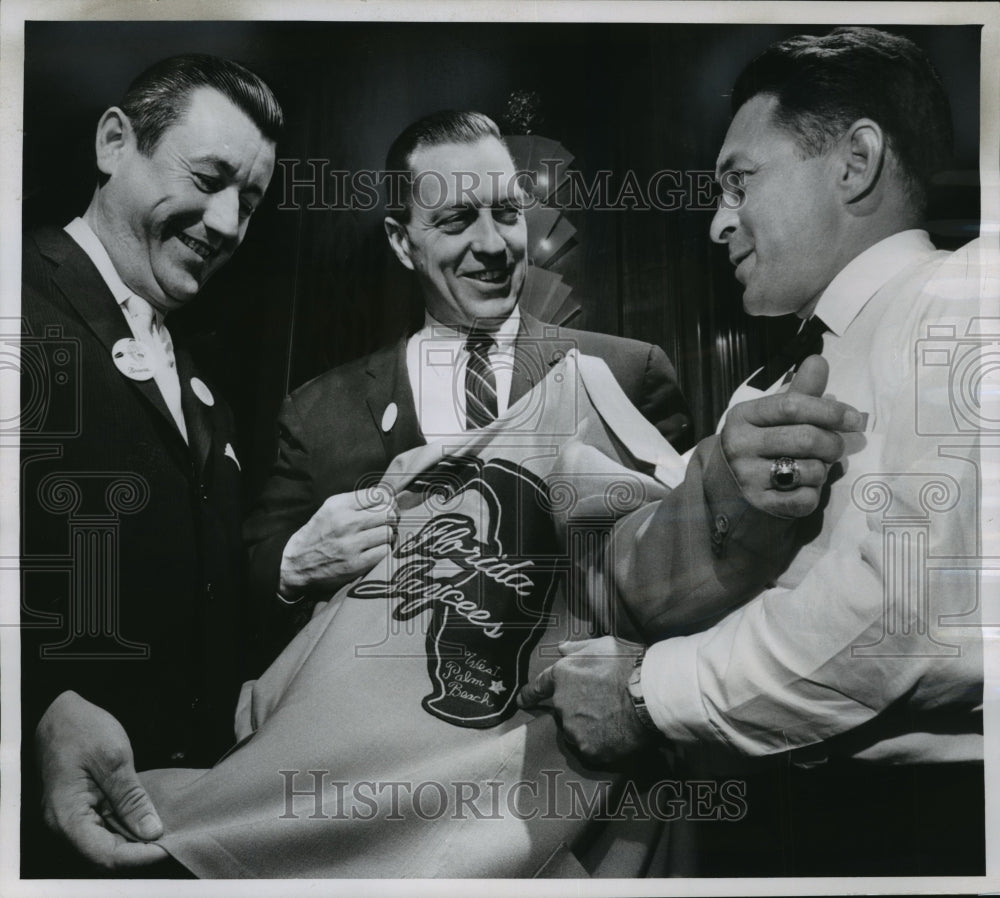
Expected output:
{"points": [[505, 335], [866, 274], [91, 244]]}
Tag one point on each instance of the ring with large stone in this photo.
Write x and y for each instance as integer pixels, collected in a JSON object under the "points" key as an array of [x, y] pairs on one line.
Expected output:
{"points": [[785, 474]]}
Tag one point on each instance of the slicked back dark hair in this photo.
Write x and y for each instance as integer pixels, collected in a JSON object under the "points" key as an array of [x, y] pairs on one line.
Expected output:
{"points": [[447, 126], [158, 97], [824, 84]]}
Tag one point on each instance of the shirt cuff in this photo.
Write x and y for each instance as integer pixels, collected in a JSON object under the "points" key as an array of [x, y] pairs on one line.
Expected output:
{"points": [[671, 689]]}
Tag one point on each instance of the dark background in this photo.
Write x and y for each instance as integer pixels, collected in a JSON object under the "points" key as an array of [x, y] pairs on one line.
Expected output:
{"points": [[312, 288]]}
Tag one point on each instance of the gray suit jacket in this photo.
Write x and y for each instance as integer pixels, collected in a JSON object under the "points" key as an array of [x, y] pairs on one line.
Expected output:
{"points": [[330, 435]]}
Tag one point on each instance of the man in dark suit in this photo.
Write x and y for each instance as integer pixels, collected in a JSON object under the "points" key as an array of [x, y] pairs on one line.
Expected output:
{"points": [[130, 502], [460, 228]]}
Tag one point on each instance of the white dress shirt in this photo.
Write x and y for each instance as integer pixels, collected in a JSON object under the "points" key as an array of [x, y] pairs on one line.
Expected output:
{"points": [[436, 359], [145, 322], [876, 620], [847, 294]]}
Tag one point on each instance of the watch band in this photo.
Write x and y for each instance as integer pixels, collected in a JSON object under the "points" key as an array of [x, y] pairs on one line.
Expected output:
{"points": [[634, 689]]}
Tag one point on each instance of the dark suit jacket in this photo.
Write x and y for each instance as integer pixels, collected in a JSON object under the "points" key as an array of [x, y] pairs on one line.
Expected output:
{"points": [[130, 537], [330, 435]]}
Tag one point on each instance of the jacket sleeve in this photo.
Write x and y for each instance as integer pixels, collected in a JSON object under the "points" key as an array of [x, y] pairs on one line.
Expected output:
{"points": [[287, 502], [683, 561], [662, 403]]}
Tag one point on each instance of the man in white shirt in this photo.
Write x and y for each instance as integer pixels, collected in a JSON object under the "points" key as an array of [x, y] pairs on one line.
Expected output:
{"points": [[132, 618], [865, 657]]}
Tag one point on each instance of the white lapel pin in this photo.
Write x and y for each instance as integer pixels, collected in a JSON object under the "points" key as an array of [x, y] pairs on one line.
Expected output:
{"points": [[389, 416], [131, 358], [200, 390]]}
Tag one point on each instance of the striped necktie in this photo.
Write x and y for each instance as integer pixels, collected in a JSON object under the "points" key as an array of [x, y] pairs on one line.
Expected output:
{"points": [[808, 341], [480, 382]]}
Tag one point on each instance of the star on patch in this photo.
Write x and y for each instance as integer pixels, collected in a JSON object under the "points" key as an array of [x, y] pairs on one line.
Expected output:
{"points": [[497, 686]]}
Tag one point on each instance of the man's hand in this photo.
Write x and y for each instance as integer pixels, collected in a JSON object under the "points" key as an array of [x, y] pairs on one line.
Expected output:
{"points": [[346, 538], [799, 424], [87, 770], [589, 695]]}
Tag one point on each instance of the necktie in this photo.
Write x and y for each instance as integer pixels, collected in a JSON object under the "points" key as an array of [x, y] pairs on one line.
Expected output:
{"points": [[141, 312], [480, 382], [808, 341], [157, 339]]}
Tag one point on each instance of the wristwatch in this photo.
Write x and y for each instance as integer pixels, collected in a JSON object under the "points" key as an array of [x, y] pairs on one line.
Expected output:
{"points": [[634, 689]]}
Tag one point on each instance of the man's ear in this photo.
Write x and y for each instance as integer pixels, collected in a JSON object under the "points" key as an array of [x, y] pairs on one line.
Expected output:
{"points": [[114, 137], [864, 150], [399, 240]]}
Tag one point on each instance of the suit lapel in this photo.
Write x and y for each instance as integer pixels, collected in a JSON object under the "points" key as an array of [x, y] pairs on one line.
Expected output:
{"points": [[85, 290], [535, 351], [389, 384], [197, 415]]}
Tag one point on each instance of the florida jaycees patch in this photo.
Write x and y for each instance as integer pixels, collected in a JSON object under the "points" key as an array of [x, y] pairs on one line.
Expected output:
{"points": [[468, 562]]}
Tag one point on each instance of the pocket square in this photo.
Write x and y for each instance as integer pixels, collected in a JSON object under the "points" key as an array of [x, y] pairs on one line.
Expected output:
{"points": [[229, 452]]}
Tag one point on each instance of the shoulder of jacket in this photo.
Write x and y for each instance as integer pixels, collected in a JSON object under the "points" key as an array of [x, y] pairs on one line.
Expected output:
{"points": [[350, 375]]}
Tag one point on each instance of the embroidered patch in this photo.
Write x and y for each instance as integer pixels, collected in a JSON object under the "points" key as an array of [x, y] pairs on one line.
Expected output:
{"points": [[482, 560]]}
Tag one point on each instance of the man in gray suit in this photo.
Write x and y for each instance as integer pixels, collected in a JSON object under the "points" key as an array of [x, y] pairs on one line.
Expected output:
{"points": [[461, 230]]}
